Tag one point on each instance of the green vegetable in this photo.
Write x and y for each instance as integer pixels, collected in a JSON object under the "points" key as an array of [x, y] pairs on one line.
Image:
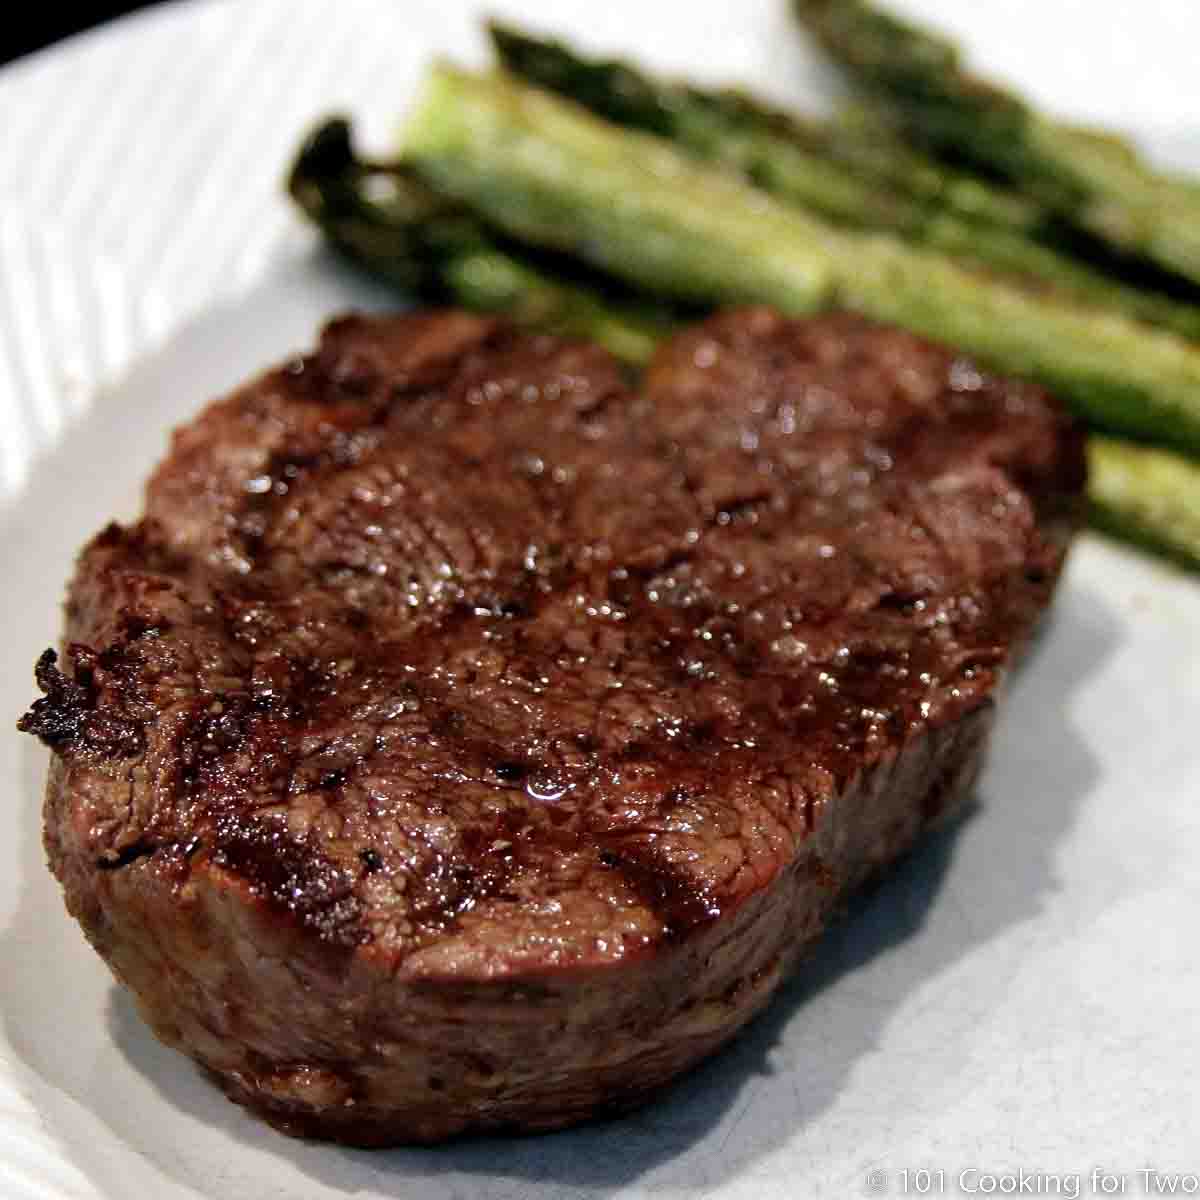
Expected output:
{"points": [[852, 173], [1091, 180], [1147, 496], [383, 217], [854, 170], [549, 173]]}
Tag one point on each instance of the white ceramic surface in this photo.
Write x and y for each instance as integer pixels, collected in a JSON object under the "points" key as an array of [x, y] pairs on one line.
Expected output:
{"points": [[1022, 994]]}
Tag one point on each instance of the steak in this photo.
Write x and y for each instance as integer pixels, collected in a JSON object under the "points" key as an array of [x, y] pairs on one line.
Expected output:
{"points": [[465, 740]]}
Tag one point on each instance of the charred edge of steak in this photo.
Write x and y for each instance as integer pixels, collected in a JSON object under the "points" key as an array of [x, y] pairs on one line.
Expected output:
{"points": [[67, 719], [674, 898], [113, 860], [144, 848], [292, 875]]}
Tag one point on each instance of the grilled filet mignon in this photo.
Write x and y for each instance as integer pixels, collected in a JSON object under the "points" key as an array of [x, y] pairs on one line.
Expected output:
{"points": [[467, 740]]}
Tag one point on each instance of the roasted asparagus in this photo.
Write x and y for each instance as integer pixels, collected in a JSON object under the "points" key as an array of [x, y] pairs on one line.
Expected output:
{"points": [[383, 217], [1094, 181], [850, 172]]}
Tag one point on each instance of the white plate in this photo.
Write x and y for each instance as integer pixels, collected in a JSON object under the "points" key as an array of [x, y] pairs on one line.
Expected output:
{"points": [[1024, 993]]}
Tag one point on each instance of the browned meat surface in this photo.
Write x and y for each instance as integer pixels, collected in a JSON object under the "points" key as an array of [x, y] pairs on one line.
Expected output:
{"points": [[465, 741]]}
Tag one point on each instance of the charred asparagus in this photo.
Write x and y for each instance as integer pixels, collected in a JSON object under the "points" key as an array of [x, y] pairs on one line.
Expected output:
{"points": [[850, 172], [1094, 181], [383, 217]]}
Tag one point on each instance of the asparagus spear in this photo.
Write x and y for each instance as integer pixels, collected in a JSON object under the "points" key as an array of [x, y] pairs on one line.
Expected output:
{"points": [[854, 168], [1147, 496], [852, 173], [1094, 182], [384, 218], [628, 203]]}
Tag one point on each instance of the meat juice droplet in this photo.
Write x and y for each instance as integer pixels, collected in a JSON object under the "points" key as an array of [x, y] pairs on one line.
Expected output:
{"points": [[546, 791]]}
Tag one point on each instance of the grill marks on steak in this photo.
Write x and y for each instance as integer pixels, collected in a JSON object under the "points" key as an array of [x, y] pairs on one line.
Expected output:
{"points": [[443, 643]]}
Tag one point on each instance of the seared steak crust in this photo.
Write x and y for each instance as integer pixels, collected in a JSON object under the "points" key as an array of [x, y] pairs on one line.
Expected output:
{"points": [[465, 741]]}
